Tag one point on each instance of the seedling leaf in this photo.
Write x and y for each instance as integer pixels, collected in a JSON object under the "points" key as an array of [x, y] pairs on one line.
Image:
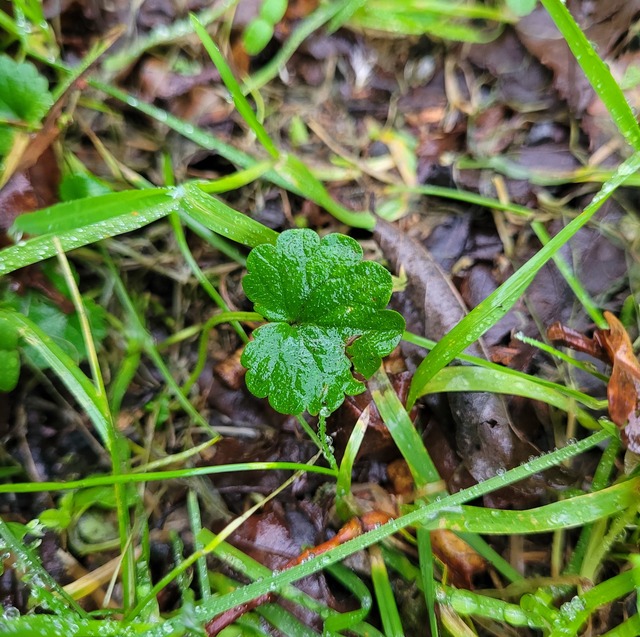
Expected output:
{"points": [[326, 308], [24, 93]]}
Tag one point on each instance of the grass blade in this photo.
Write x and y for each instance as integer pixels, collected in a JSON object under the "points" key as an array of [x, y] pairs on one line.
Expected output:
{"points": [[597, 72], [499, 302]]}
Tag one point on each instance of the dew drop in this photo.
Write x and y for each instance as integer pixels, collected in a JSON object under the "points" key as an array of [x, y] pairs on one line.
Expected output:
{"points": [[11, 612]]}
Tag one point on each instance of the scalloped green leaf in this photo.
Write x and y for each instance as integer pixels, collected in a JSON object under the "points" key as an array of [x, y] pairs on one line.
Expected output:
{"points": [[326, 308], [24, 93]]}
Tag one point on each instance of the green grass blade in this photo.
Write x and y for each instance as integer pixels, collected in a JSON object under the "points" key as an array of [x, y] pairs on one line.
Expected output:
{"points": [[240, 596], [585, 399], [402, 431], [201, 562], [72, 215], [159, 476], [119, 220], [343, 482], [46, 590], [498, 303], [564, 514], [425, 556], [596, 71], [386, 602], [478, 379], [224, 220], [240, 101], [94, 405]]}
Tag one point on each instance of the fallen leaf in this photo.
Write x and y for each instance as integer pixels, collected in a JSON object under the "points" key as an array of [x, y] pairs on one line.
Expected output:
{"points": [[623, 391], [612, 346]]}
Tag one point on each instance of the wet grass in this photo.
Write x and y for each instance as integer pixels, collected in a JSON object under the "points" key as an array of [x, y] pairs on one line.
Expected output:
{"points": [[604, 510]]}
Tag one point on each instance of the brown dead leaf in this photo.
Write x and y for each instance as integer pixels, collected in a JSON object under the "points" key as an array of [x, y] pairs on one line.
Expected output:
{"points": [[623, 391]]}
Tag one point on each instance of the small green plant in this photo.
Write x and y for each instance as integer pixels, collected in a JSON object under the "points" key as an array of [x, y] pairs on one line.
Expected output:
{"points": [[24, 101], [9, 356], [326, 311], [260, 30]]}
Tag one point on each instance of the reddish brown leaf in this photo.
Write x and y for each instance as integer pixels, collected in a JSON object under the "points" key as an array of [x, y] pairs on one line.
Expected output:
{"points": [[623, 391]]}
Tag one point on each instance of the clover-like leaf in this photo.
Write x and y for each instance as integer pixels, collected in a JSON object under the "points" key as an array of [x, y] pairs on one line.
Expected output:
{"points": [[326, 311]]}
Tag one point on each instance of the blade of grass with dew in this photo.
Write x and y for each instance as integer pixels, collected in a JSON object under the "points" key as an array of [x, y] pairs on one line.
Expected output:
{"points": [[600, 546], [574, 613], [240, 101], [386, 603], [80, 387], [46, 626], [343, 505], [402, 431], [205, 611], [362, 219], [223, 219], [564, 514], [601, 479], [196, 527], [499, 302], [159, 476], [135, 212], [46, 590], [463, 602], [425, 560], [183, 246], [144, 579], [585, 399], [479, 379], [597, 72], [78, 213], [118, 460]]}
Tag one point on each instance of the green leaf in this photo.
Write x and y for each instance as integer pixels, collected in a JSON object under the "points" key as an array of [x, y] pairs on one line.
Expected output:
{"points": [[63, 328], [9, 356], [326, 308], [9, 370], [257, 35], [24, 93]]}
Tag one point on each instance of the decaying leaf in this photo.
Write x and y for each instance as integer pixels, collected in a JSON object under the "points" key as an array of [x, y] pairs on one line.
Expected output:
{"points": [[623, 391]]}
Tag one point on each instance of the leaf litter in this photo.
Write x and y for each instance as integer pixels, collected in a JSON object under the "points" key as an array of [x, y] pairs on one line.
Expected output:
{"points": [[473, 113]]}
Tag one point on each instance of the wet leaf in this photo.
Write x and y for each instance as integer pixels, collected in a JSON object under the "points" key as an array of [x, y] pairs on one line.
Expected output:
{"points": [[623, 391], [9, 357], [326, 308], [24, 97]]}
